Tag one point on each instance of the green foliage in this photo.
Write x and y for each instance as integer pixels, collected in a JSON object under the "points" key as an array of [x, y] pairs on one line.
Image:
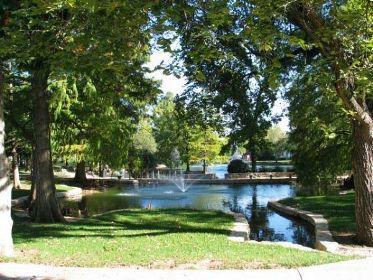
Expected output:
{"points": [[187, 127], [243, 52], [221, 69], [277, 142], [143, 139], [94, 54], [205, 146], [238, 166], [165, 128], [321, 137], [17, 111], [103, 117], [142, 154]]}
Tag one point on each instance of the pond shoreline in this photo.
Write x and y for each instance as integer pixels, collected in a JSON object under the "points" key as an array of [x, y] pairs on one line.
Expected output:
{"points": [[97, 183], [324, 239]]}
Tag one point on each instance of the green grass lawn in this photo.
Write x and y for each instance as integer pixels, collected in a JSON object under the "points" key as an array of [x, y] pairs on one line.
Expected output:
{"points": [[152, 238], [339, 210], [26, 187]]}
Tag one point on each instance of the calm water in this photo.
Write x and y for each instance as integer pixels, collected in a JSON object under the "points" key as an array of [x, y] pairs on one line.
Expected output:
{"points": [[251, 200]]}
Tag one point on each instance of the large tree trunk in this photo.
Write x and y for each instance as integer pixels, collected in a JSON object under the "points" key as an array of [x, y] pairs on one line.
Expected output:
{"points": [[363, 181], [80, 175], [6, 223], [46, 208], [15, 170]]}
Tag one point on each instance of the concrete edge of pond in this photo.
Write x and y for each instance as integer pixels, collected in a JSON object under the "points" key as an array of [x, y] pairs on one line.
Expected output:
{"points": [[240, 231], [285, 244], [75, 192], [238, 181], [324, 239]]}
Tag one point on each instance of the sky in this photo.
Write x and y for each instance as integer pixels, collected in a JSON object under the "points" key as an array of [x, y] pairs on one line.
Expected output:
{"points": [[170, 83]]}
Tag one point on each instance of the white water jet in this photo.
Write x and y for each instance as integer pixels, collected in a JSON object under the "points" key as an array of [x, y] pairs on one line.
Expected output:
{"points": [[178, 178], [181, 183]]}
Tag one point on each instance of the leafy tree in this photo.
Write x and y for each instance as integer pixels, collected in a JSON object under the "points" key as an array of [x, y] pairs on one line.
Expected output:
{"points": [[53, 38], [220, 67], [17, 118], [102, 118], [165, 128], [189, 126], [291, 37], [206, 146], [277, 140], [142, 156], [199, 125], [336, 36], [321, 141], [143, 139]]}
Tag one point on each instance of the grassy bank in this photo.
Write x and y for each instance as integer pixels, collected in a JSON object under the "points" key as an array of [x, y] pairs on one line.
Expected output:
{"points": [[156, 239], [339, 210], [26, 188]]}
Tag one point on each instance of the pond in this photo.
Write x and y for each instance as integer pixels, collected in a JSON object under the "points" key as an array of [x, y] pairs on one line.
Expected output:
{"points": [[249, 199]]}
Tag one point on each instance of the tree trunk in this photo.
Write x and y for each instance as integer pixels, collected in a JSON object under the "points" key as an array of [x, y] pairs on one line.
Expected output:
{"points": [[15, 170], [100, 170], [6, 223], [253, 161], [80, 175], [363, 181], [204, 167], [46, 208], [33, 175]]}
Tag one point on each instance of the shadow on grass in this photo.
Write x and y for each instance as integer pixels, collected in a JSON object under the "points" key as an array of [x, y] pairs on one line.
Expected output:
{"points": [[126, 224]]}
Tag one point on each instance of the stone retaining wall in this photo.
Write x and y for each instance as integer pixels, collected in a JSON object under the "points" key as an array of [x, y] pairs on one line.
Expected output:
{"points": [[324, 238], [222, 181], [241, 229], [73, 193], [261, 175]]}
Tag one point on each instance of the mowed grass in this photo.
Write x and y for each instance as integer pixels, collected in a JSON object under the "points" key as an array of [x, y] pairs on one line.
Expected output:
{"points": [[26, 187], [155, 239], [339, 210]]}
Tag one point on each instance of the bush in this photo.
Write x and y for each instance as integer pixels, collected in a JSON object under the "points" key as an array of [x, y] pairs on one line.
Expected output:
{"points": [[238, 166], [278, 168]]}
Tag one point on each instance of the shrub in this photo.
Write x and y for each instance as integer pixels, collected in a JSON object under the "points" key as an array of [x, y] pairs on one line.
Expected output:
{"points": [[238, 166], [278, 168]]}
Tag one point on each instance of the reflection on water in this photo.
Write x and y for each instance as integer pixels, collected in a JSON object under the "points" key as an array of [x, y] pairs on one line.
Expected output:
{"points": [[251, 200]]}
